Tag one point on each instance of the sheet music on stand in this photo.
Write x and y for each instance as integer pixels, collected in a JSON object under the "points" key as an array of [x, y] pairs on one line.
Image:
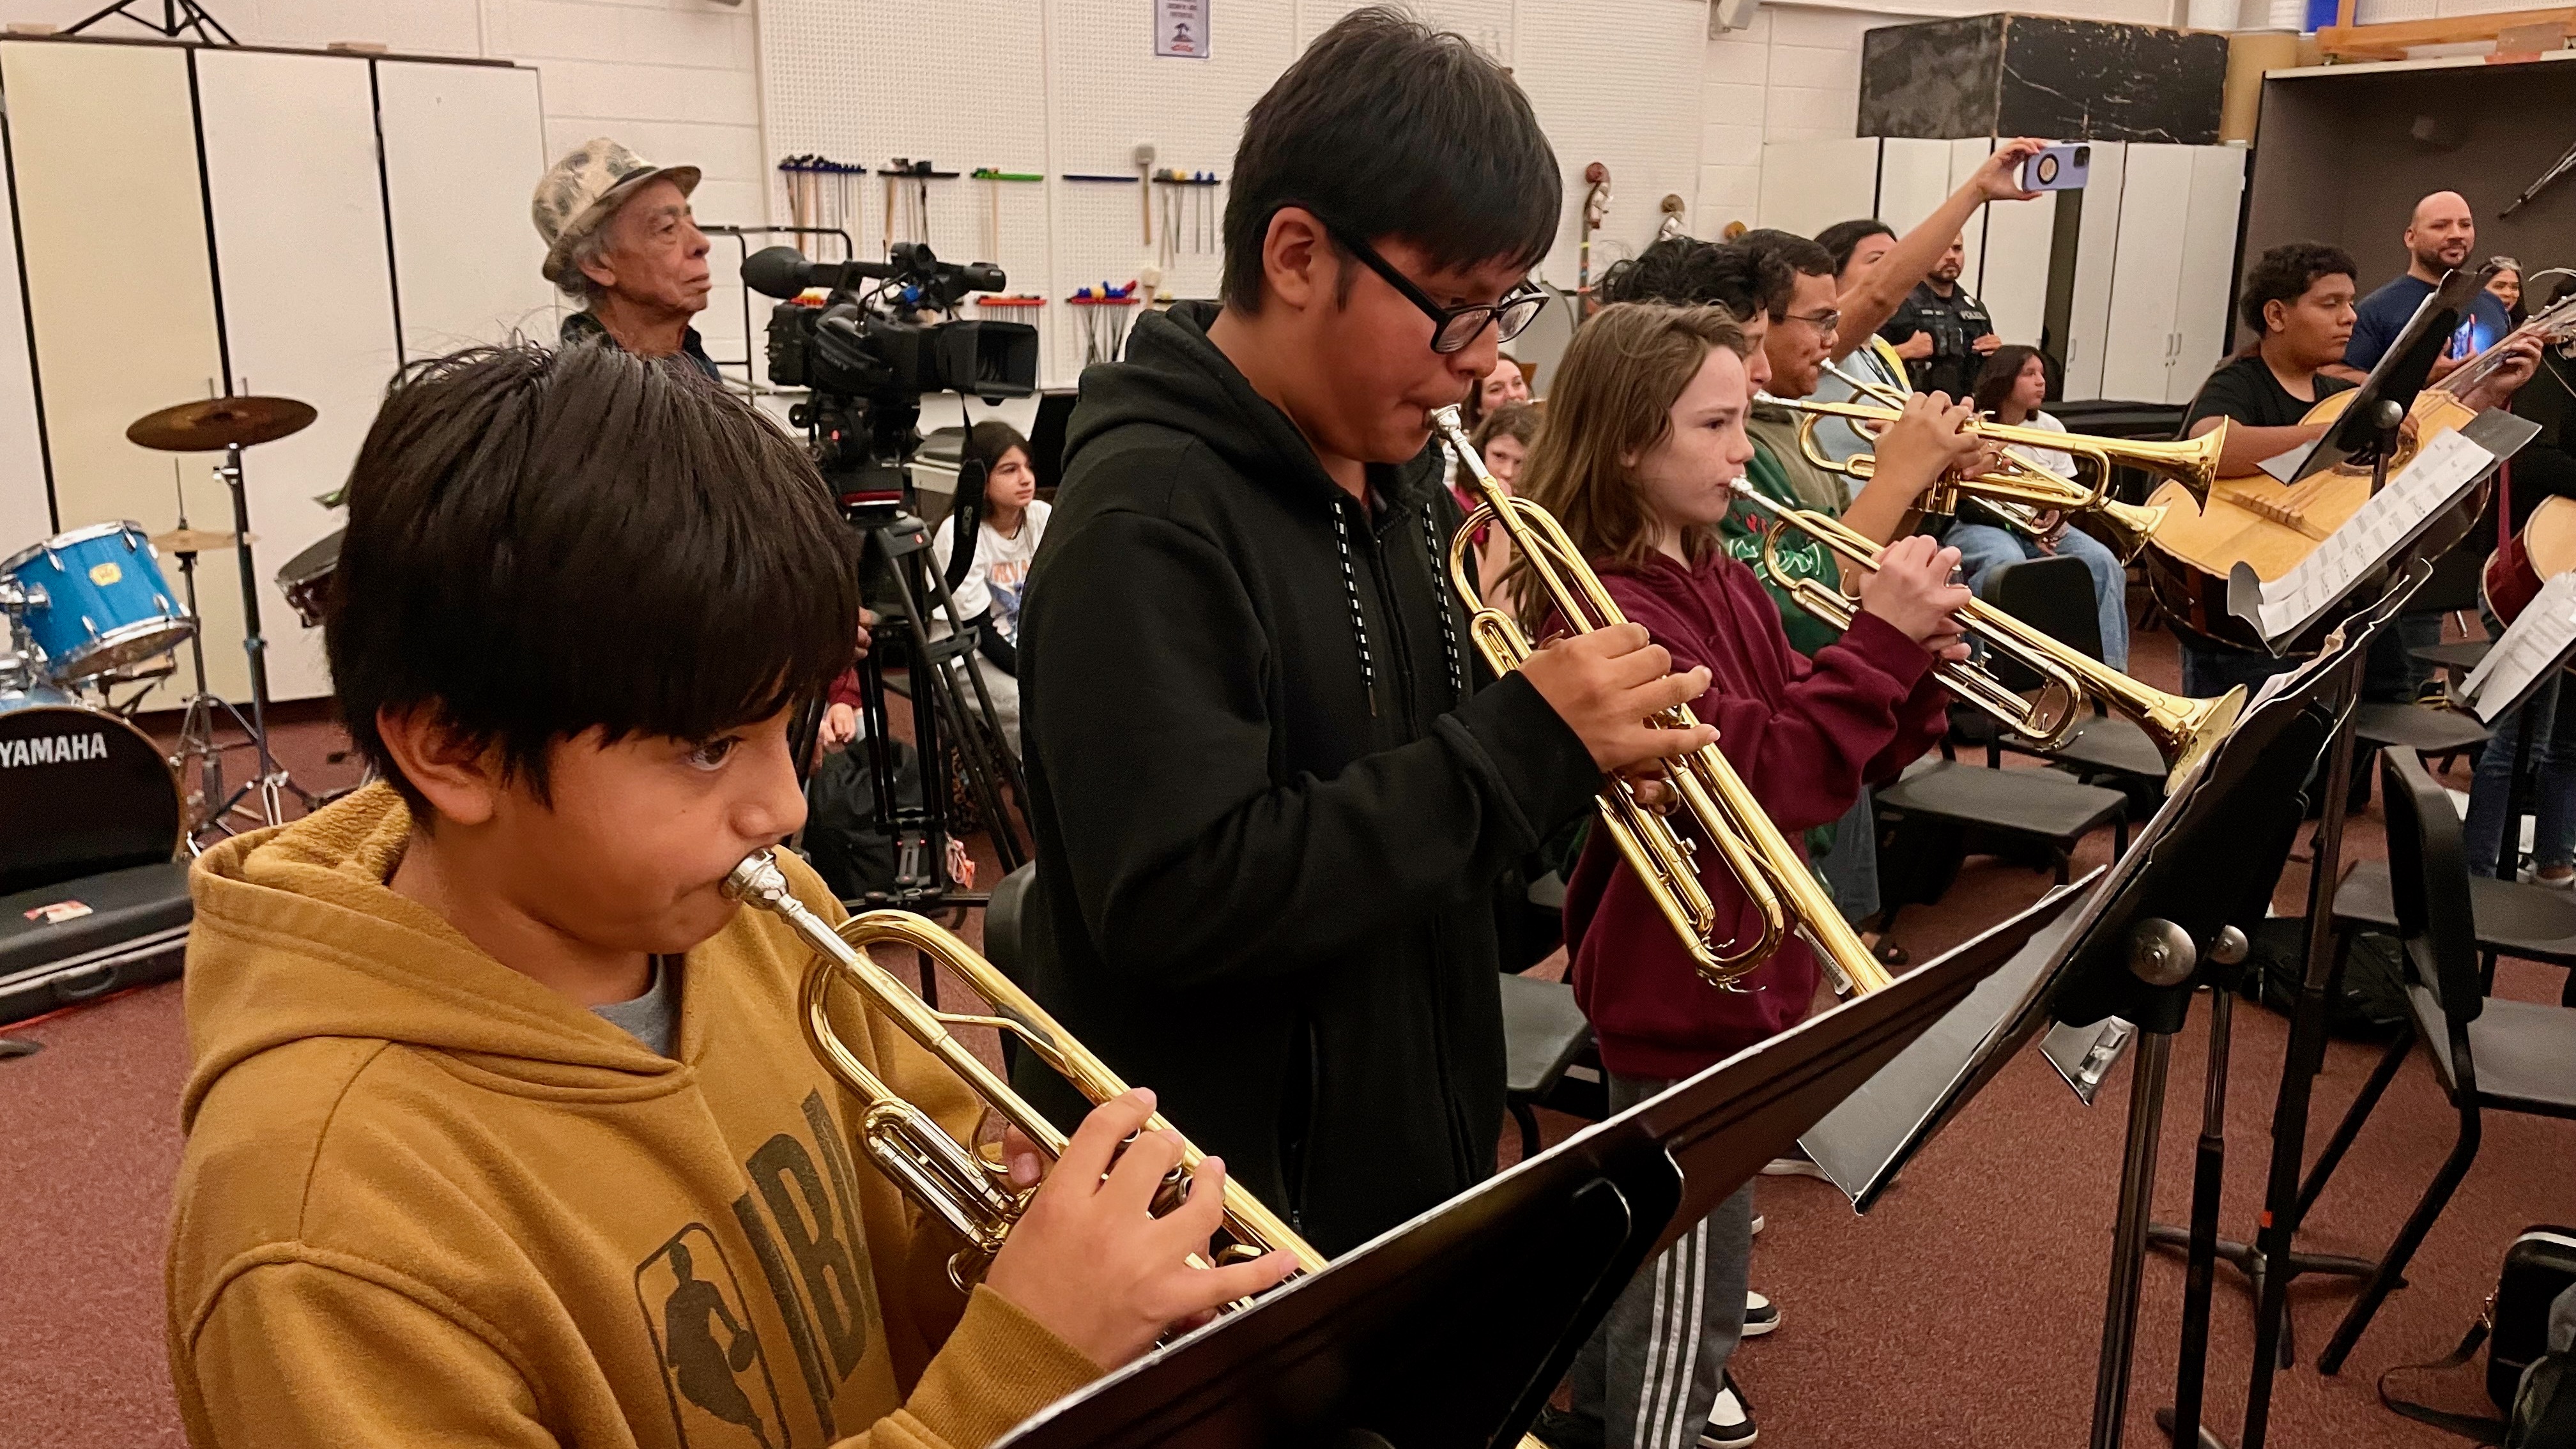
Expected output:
{"points": [[2441, 475], [2533, 648]]}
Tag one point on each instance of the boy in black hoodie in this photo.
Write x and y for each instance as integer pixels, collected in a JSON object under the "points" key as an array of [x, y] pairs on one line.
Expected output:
{"points": [[1271, 783]]}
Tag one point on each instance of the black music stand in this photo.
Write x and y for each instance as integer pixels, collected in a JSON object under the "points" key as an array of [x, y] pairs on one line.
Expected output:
{"points": [[1453, 1329], [2169, 917], [2269, 1259]]}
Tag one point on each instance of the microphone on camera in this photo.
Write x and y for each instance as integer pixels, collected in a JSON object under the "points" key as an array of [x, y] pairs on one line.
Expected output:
{"points": [[784, 272]]}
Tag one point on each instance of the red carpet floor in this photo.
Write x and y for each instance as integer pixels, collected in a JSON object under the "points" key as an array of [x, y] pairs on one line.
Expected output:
{"points": [[1965, 1309]]}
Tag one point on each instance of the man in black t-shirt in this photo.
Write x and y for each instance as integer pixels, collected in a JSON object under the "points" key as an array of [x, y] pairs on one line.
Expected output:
{"points": [[2298, 297], [2298, 300], [1943, 333]]}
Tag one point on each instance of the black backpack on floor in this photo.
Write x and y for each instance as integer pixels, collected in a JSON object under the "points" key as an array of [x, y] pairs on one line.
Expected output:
{"points": [[2529, 1330], [2370, 1007]]}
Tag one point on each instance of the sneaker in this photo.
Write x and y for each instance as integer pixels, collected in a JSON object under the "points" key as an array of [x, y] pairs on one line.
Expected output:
{"points": [[1757, 1225], [1730, 1419], [1558, 1429], [1800, 1166], [2532, 876], [1760, 1315]]}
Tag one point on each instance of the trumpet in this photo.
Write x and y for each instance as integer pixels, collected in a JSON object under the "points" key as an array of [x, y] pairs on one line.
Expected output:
{"points": [[1773, 875], [2022, 488], [2183, 730], [973, 1195]]}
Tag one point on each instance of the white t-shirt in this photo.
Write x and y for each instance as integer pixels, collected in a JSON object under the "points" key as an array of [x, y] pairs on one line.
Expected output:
{"points": [[1000, 571], [2060, 463]]}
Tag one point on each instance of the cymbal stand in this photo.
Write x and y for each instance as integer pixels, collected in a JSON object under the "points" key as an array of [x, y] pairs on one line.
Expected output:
{"points": [[198, 758], [273, 782]]}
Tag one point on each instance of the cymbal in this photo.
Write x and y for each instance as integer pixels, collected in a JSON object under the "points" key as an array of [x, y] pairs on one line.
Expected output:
{"points": [[195, 540], [219, 423]]}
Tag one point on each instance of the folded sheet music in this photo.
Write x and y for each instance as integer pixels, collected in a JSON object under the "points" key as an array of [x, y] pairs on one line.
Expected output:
{"points": [[2538, 641], [2442, 473]]}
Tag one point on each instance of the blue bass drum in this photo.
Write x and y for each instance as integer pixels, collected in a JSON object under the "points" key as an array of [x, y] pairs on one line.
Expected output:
{"points": [[106, 606]]}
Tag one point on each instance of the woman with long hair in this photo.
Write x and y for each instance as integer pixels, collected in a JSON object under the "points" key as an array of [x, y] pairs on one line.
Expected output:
{"points": [[1643, 443], [2010, 389]]}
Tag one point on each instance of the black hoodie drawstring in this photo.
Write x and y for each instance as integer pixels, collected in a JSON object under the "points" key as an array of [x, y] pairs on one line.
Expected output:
{"points": [[1440, 591], [1351, 590]]}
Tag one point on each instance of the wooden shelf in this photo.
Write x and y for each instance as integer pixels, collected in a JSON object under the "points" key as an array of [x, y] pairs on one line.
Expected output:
{"points": [[2347, 41]]}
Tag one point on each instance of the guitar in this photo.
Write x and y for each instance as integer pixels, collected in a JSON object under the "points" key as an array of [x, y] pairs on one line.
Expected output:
{"points": [[2254, 520]]}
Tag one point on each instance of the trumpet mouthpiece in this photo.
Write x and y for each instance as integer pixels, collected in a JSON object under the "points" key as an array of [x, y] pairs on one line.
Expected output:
{"points": [[1445, 419], [756, 881]]}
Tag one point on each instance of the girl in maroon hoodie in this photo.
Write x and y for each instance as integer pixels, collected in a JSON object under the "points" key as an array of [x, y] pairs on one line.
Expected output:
{"points": [[1643, 440]]}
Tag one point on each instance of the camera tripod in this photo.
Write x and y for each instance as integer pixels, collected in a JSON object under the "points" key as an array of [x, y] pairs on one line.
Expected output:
{"points": [[950, 706]]}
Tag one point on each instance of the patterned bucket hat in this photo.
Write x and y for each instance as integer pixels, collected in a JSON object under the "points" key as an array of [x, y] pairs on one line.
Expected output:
{"points": [[584, 189]]}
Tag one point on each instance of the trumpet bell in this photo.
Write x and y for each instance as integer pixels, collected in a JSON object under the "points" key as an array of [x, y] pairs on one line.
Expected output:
{"points": [[2185, 731]]}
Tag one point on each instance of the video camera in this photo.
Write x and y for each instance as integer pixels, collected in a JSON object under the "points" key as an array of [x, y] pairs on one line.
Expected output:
{"points": [[865, 360]]}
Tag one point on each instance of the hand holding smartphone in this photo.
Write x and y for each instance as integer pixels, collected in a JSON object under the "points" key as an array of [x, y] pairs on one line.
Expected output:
{"points": [[2058, 168]]}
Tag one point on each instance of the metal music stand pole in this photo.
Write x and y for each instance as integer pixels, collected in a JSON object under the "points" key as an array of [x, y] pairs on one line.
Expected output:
{"points": [[2161, 954], [272, 780], [2275, 1256]]}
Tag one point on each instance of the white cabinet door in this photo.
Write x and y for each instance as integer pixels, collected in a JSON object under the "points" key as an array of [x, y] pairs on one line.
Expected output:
{"points": [[2208, 260], [2097, 255], [2138, 339], [2008, 251]]}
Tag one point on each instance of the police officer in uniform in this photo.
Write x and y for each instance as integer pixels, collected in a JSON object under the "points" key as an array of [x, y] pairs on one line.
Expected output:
{"points": [[1942, 332]]}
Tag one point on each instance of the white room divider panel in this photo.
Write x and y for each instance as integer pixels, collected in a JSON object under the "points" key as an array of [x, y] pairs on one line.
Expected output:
{"points": [[307, 295], [26, 498], [112, 230], [463, 148], [2138, 344]]}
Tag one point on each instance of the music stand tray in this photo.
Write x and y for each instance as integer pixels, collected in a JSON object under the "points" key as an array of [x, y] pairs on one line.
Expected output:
{"points": [[1453, 1329]]}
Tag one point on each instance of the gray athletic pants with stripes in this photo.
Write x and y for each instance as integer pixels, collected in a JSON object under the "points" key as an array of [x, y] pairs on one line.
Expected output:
{"points": [[1650, 1372]]}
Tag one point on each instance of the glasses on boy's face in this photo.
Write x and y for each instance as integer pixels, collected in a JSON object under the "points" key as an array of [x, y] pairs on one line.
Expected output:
{"points": [[1824, 322], [1452, 328]]}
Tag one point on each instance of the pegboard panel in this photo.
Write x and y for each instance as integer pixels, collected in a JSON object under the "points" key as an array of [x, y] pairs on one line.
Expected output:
{"points": [[1612, 94], [865, 80], [1072, 87], [1486, 22]]}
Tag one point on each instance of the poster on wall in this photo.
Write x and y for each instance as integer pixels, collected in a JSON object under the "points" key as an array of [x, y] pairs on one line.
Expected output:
{"points": [[1181, 28]]}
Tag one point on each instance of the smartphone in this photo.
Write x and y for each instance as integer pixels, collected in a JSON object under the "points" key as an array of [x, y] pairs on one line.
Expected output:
{"points": [[2059, 168]]}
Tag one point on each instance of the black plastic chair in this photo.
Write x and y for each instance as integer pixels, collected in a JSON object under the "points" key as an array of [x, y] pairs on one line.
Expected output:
{"points": [[1002, 945], [1548, 1056], [2506, 1056], [2055, 596]]}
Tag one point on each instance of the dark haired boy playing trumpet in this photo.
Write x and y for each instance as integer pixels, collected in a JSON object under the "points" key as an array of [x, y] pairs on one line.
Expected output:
{"points": [[500, 1126]]}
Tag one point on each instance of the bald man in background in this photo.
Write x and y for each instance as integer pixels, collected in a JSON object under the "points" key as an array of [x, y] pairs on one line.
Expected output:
{"points": [[2440, 237]]}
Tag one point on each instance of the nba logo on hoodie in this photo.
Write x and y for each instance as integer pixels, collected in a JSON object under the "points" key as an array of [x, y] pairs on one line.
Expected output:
{"points": [[713, 1364]]}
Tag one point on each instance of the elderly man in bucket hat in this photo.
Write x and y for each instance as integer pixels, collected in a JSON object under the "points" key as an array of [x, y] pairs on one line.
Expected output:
{"points": [[619, 238]]}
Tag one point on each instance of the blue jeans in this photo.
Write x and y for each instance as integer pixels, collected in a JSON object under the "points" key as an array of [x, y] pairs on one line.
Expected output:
{"points": [[2553, 758], [1983, 548]]}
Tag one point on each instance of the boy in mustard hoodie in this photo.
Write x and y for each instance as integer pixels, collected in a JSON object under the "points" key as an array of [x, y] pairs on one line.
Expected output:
{"points": [[501, 1129]]}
